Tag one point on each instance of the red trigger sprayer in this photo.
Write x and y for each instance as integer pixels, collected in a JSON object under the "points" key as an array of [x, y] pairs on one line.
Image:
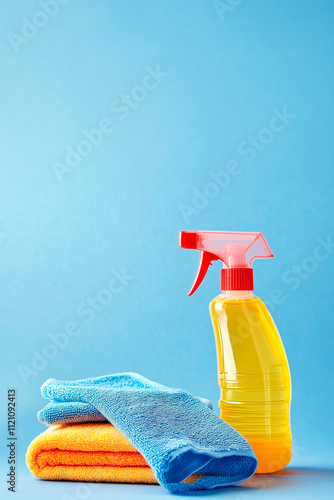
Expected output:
{"points": [[253, 370]]}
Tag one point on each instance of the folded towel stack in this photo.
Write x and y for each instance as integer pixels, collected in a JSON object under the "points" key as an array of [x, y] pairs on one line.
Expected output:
{"points": [[125, 428]]}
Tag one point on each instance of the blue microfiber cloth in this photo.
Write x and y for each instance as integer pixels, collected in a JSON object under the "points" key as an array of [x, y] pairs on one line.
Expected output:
{"points": [[177, 433], [70, 413]]}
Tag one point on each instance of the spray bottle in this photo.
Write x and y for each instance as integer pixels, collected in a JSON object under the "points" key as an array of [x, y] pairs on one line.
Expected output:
{"points": [[253, 370]]}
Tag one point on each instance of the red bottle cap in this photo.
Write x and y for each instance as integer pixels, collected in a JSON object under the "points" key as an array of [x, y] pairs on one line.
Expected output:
{"points": [[237, 278]]}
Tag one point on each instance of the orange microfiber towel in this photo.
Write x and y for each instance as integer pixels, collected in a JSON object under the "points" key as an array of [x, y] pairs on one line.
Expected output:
{"points": [[87, 452]]}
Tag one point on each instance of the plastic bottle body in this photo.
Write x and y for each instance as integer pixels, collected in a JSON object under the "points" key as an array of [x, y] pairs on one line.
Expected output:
{"points": [[254, 377]]}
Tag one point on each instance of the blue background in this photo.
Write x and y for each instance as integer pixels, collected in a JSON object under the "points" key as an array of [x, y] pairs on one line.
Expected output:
{"points": [[122, 207]]}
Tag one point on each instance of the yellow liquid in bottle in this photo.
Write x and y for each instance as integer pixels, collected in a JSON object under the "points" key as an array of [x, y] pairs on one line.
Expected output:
{"points": [[254, 377]]}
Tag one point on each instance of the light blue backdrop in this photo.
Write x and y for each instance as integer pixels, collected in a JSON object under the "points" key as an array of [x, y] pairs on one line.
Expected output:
{"points": [[210, 117]]}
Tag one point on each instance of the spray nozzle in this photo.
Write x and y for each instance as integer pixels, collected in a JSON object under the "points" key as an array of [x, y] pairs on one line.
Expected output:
{"points": [[236, 250]]}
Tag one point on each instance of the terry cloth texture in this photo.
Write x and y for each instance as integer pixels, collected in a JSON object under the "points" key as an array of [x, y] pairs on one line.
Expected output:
{"points": [[67, 413]]}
